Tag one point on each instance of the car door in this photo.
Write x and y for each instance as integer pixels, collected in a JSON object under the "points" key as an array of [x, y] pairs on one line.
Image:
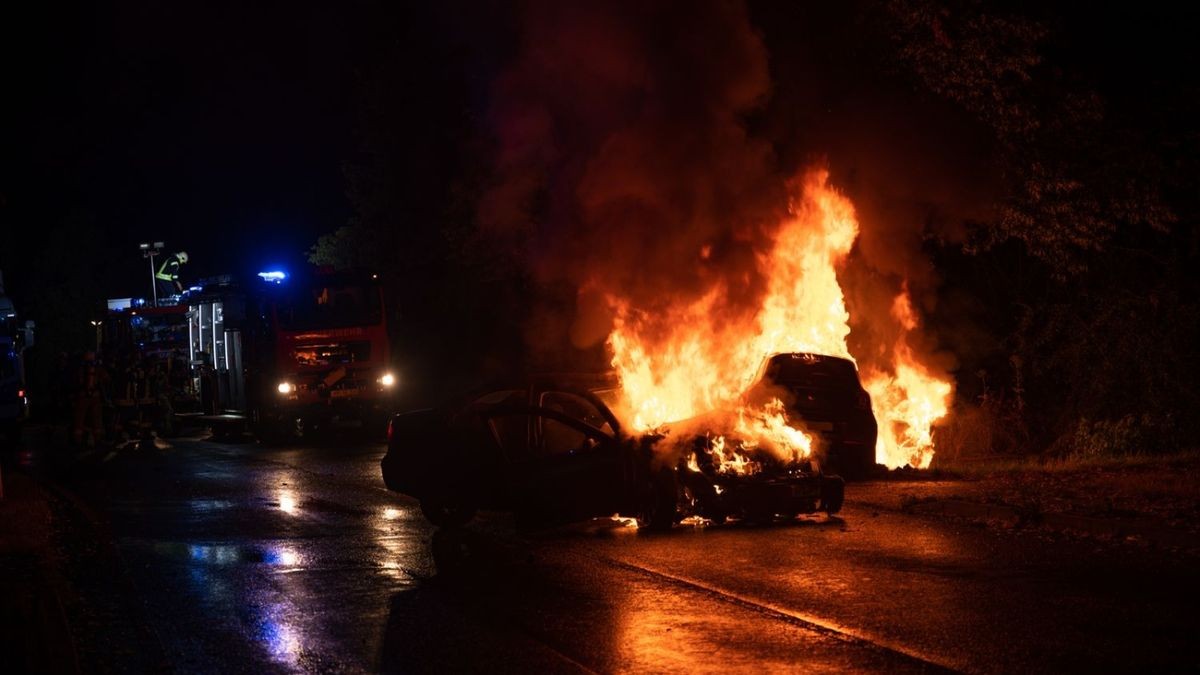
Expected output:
{"points": [[495, 429], [578, 465]]}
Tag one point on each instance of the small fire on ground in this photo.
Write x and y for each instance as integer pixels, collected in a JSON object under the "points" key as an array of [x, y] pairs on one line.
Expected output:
{"points": [[691, 361]]}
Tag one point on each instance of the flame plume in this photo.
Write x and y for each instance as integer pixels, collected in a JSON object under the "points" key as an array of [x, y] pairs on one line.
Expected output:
{"points": [[691, 359]]}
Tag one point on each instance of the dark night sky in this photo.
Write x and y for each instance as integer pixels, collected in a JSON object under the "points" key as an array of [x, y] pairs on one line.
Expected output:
{"points": [[222, 127], [215, 127]]}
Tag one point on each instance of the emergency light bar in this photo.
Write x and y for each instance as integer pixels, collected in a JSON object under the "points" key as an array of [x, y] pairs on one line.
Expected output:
{"points": [[274, 276]]}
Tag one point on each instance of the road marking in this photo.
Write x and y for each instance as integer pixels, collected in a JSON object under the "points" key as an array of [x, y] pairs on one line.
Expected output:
{"points": [[806, 621]]}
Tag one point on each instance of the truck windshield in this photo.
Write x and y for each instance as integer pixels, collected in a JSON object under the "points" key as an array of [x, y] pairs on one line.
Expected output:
{"points": [[330, 307]]}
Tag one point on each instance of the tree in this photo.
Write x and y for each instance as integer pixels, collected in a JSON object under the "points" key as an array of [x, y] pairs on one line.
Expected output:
{"points": [[1100, 198]]}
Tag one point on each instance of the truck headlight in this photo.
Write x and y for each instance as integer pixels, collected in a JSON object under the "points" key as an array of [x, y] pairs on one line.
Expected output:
{"points": [[388, 380], [286, 387]]}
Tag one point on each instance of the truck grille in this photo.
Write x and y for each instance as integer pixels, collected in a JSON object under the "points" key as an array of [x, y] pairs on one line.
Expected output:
{"points": [[337, 354]]}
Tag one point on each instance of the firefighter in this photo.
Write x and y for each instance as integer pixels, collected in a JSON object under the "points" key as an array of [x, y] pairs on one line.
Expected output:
{"points": [[88, 404], [167, 277]]}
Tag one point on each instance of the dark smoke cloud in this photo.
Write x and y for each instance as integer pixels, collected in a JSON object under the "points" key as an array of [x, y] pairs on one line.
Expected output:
{"points": [[623, 152], [632, 136]]}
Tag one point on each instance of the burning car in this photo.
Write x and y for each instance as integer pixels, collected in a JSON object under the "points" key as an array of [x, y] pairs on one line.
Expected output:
{"points": [[555, 454], [824, 397], [755, 486]]}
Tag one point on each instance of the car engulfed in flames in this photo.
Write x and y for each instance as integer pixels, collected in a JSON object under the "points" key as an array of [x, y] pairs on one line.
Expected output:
{"points": [[554, 453], [739, 393], [718, 482], [701, 354]]}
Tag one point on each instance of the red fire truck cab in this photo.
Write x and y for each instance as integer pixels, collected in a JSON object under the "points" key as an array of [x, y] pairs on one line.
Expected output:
{"points": [[285, 353]]}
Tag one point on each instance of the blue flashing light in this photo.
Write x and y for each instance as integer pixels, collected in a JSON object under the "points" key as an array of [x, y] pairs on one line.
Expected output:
{"points": [[274, 276]]}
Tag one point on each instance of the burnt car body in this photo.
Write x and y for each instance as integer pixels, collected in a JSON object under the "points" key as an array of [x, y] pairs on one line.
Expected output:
{"points": [[549, 453], [824, 397], [773, 489], [555, 453]]}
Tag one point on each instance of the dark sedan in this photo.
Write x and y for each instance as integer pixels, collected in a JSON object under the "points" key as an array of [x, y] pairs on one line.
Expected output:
{"points": [[550, 454]]}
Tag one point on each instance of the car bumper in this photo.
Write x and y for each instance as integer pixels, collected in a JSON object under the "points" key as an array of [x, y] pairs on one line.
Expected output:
{"points": [[763, 497]]}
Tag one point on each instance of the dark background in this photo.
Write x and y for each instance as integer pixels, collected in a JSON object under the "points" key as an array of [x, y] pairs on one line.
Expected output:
{"points": [[242, 132]]}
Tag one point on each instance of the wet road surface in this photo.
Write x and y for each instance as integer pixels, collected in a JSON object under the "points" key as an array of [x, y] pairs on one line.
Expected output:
{"points": [[248, 559]]}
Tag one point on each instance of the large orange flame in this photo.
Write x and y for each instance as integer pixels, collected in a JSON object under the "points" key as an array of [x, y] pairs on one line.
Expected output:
{"points": [[690, 360]]}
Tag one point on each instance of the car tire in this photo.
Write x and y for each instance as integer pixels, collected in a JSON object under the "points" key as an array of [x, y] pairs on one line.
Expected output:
{"points": [[660, 502], [833, 493], [707, 502], [447, 512], [454, 552]]}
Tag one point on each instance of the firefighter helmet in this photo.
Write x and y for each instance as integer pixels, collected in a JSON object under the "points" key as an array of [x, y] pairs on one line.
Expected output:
{"points": [[182, 256]]}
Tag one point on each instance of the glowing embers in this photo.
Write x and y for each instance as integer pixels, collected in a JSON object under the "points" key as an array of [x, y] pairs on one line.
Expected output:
{"points": [[624, 521]]}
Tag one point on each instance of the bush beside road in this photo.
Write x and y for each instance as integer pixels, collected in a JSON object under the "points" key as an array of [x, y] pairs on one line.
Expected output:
{"points": [[1149, 499]]}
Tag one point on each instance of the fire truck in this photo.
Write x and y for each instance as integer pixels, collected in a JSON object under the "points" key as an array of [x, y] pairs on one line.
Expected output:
{"points": [[283, 354], [275, 354], [14, 338]]}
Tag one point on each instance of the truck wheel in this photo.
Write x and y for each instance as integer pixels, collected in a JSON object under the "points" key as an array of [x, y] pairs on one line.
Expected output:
{"points": [[275, 429], [447, 512], [270, 432]]}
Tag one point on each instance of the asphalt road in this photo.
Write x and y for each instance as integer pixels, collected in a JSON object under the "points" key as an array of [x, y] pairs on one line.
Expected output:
{"points": [[238, 558]]}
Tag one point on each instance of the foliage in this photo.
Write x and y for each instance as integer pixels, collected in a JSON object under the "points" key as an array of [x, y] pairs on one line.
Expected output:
{"points": [[345, 248], [1100, 356], [992, 427], [1126, 435], [1074, 180]]}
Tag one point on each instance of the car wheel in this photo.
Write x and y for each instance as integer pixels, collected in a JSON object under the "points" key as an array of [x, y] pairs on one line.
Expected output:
{"points": [[758, 514], [660, 502], [447, 512], [453, 553], [833, 492], [708, 503]]}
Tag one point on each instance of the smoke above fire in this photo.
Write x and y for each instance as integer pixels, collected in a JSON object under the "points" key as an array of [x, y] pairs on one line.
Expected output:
{"points": [[626, 168]]}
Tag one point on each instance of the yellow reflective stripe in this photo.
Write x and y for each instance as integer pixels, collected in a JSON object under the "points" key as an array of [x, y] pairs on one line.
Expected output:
{"points": [[164, 274]]}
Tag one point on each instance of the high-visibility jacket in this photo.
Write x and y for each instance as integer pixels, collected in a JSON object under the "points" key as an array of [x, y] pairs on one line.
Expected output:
{"points": [[169, 270]]}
